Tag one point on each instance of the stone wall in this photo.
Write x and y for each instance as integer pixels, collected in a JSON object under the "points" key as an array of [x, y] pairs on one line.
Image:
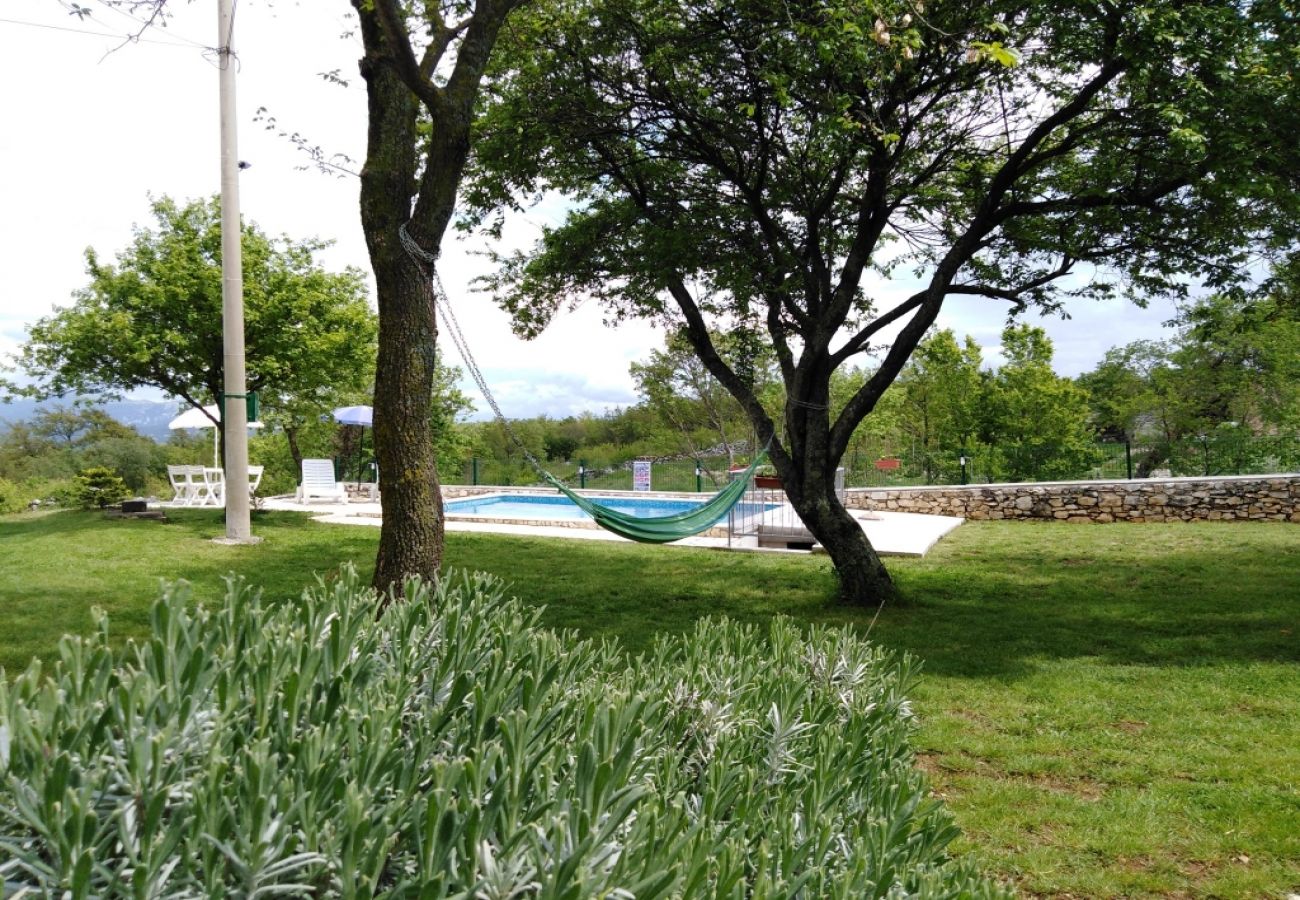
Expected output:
{"points": [[1256, 497]]}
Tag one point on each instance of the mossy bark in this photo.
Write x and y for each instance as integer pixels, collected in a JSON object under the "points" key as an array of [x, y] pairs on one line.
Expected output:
{"points": [[411, 536]]}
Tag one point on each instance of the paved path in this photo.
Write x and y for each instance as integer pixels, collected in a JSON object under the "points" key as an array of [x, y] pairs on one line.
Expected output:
{"points": [[891, 533]]}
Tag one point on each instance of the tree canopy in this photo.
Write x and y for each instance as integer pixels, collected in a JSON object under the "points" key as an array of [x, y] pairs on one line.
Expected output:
{"points": [[782, 165], [153, 319]]}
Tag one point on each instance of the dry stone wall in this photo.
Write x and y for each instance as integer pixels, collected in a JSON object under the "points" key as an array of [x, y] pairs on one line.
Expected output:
{"points": [[1251, 497]]}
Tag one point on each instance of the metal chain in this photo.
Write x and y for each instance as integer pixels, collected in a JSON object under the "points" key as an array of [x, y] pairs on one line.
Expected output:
{"points": [[443, 303]]}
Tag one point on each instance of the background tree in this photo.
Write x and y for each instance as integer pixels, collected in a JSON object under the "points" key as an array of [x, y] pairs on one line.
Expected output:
{"points": [[1239, 355], [451, 443], [940, 396], [153, 320], [686, 396], [1230, 375], [59, 442], [764, 162], [877, 436], [1129, 393], [1036, 420]]}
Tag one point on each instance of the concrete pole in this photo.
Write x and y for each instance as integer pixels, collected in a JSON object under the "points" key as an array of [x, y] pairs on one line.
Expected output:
{"points": [[235, 416]]}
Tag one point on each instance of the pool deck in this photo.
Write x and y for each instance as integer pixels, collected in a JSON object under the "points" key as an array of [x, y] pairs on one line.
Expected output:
{"points": [[890, 533]]}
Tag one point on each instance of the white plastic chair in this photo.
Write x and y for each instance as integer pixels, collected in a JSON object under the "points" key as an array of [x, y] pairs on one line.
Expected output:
{"points": [[176, 475], [318, 482], [212, 492], [254, 478], [187, 483]]}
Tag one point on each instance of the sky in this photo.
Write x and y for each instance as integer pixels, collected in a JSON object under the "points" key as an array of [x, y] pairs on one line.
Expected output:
{"points": [[92, 125]]}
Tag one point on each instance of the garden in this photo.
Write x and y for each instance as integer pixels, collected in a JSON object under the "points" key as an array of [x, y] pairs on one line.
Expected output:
{"points": [[1103, 711]]}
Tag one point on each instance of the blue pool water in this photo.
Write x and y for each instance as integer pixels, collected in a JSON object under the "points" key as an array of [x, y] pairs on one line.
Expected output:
{"points": [[521, 506]]}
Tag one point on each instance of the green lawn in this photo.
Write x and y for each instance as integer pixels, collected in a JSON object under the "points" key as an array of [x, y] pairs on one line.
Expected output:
{"points": [[1108, 710]]}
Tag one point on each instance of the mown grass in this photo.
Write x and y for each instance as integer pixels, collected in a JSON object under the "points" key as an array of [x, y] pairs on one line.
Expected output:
{"points": [[1108, 710]]}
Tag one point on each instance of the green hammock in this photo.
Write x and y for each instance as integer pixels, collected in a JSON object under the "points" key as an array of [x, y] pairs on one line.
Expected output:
{"points": [[657, 530], [663, 529]]}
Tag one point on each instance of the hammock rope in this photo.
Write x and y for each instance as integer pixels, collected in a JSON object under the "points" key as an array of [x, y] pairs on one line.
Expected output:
{"points": [[648, 530]]}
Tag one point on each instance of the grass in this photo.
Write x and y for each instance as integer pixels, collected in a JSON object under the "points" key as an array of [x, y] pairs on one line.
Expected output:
{"points": [[1108, 710]]}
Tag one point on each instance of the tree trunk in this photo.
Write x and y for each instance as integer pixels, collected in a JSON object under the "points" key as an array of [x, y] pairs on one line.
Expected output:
{"points": [[397, 85], [863, 578], [810, 487], [291, 436], [411, 537]]}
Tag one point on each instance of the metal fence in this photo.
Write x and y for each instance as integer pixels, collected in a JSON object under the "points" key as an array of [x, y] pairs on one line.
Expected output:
{"points": [[687, 475], [1208, 455], [1202, 456]]}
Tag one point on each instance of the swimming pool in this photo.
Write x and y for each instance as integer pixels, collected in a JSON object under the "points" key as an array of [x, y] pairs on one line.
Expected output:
{"points": [[536, 508]]}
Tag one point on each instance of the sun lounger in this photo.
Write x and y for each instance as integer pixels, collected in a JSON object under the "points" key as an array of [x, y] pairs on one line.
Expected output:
{"points": [[318, 482]]}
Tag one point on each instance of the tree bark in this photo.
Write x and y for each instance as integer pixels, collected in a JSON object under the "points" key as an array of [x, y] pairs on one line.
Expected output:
{"points": [[807, 468], [411, 536], [395, 194], [863, 579]]}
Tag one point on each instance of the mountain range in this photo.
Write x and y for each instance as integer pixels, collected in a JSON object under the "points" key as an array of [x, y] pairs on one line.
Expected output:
{"points": [[149, 417]]}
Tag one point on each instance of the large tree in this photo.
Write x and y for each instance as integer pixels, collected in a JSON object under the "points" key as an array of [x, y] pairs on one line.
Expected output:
{"points": [[423, 66], [152, 319], [771, 164]]}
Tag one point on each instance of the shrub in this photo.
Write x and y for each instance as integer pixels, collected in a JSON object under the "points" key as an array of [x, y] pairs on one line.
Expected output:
{"points": [[11, 497], [452, 748], [18, 497], [65, 493], [100, 487]]}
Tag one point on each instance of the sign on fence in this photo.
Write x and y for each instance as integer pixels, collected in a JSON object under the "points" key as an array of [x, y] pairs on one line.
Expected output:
{"points": [[641, 475]]}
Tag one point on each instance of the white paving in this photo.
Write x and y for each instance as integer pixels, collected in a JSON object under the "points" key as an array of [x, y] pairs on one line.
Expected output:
{"points": [[890, 533]]}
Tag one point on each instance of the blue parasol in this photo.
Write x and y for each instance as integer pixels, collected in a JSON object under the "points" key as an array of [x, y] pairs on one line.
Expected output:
{"points": [[356, 415]]}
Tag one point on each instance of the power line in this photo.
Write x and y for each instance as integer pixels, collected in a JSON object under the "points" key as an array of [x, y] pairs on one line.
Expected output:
{"points": [[102, 34], [147, 23]]}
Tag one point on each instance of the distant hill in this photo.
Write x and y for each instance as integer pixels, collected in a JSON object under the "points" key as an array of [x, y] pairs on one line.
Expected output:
{"points": [[149, 417]]}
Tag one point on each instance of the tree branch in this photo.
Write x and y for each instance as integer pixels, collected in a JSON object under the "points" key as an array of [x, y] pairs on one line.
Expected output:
{"points": [[697, 333], [402, 57]]}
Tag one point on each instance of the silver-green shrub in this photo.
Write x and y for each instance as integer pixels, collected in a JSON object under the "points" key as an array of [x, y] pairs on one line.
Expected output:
{"points": [[451, 748]]}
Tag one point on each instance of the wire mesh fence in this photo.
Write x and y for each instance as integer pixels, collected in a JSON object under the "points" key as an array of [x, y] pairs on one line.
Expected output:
{"points": [[704, 475], [1204, 455]]}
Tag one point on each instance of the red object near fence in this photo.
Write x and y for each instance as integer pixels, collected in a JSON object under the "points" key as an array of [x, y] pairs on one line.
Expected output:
{"points": [[888, 464]]}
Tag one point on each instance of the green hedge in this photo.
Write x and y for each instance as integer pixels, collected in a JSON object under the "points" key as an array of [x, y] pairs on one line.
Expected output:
{"points": [[451, 748]]}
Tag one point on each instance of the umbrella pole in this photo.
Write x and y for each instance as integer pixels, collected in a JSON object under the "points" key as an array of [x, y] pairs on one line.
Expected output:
{"points": [[216, 451], [361, 454]]}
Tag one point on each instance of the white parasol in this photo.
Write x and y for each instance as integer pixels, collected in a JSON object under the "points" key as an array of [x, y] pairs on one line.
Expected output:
{"points": [[203, 418]]}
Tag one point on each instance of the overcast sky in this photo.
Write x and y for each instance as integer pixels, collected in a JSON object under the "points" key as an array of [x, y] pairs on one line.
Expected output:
{"points": [[89, 132]]}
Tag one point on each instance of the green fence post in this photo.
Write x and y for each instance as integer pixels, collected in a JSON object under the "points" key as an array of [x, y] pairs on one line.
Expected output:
{"points": [[699, 477], [1128, 458], [473, 467], [582, 473], [964, 479]]}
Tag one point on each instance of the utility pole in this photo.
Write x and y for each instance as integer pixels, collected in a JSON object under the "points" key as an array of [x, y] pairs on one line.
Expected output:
{"points": [[234, 417]]}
